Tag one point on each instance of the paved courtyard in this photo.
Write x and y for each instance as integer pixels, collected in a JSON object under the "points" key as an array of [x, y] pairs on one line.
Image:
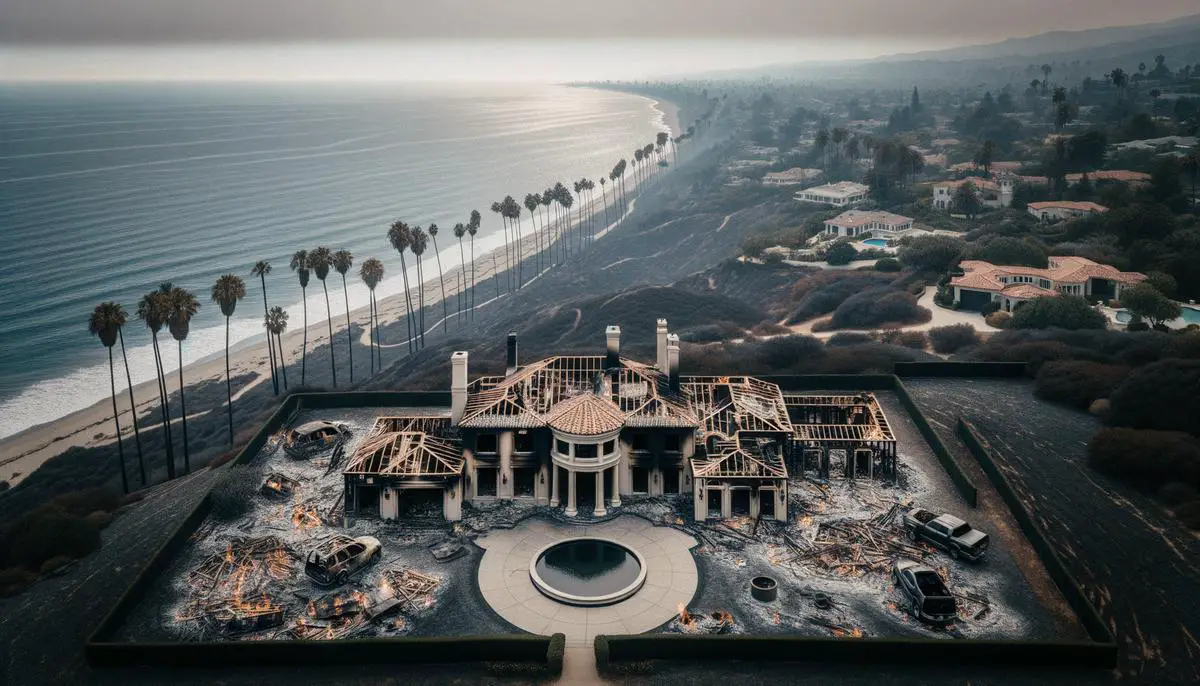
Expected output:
{"points": [[671, 578]]}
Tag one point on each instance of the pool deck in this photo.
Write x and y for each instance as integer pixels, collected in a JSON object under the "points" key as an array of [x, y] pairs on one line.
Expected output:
{"points": [[671, 579]]}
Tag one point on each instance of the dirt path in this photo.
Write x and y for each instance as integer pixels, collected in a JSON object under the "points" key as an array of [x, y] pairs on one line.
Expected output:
{"points": [[940, 317]]}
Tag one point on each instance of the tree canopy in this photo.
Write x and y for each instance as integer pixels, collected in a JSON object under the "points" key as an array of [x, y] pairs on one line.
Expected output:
{"points": [[932, 251], [1061, 312], [1007, 250], [1146, 302]]}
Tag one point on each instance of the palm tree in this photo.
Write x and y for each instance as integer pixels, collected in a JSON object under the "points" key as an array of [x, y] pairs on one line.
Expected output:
{"points": [[137, 434], [514, 213], [661, 139], [604, 198], [547, 199], [261, 269], [1046, 69], [460, 230], [822, 143], [226, 292], [105, 321], [420, 241], [433, 232], [637, 163], [300, 266], [342, 261], [276, 323], [183, 307], [985, 156], [564, 199], [154, 309], [472, 229], [371, 273], [400, 236], [499, 209], [320, 259], [1191, 166], [532, 202]]}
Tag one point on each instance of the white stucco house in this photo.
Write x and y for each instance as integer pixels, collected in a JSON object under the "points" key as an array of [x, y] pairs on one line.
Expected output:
{"points": [[1058, 210], [983, 282], [860, 224], [840, 194], [792, 177]]}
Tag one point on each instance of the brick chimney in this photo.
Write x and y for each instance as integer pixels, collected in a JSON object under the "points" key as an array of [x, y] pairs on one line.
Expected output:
{"points": [[673, 362], [660, 345], [612, 336], [512, 354], [458, 385]]}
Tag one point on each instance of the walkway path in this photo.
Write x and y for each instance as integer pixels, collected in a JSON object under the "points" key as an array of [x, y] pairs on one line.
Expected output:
{"points": [[941, 317]]}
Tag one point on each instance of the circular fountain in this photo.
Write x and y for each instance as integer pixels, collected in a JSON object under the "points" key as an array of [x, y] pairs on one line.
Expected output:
{"points": [[587, 571]]}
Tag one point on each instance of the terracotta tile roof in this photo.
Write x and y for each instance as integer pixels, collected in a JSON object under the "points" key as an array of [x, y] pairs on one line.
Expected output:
{"points": [[1111, 175], [854, 218], [586, 415], [980, 275], [1027, 290], [978, 182], [1068, 205]]}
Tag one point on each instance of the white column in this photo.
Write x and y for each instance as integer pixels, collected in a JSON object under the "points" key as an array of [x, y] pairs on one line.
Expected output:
{"points": [[505, 447], [726, 502], [553, 484], [700, 505], [600, 510], [570, 511], [754, 496], [616, 494], [781, 513]]}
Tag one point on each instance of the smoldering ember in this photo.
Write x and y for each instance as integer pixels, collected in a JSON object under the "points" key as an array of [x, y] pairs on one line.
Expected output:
{"points": [[731, 504]]}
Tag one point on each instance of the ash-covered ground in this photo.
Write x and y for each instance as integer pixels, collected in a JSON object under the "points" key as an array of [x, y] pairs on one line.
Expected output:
{"points": [[995, 601], [268, 589]]}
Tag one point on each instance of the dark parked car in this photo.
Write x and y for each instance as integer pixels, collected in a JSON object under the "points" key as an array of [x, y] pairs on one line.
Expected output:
{"points": [[338, 557], [928, 597], [946, 532]]}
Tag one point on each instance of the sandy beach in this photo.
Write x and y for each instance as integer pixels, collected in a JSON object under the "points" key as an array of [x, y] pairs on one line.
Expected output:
{"points": [[24, 452]]}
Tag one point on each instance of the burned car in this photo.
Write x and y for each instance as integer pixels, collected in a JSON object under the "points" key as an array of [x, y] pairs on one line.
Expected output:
{"points": [[314, 437], [927, 595], [946, 532], [336, 558]]}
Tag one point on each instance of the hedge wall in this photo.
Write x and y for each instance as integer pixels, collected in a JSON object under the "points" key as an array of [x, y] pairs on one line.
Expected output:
{"points": [[1002, 370], [1071, 590], [690, 648]]}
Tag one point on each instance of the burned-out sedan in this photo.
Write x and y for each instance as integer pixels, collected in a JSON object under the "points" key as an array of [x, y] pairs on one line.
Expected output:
{"points": [[336, 558]]}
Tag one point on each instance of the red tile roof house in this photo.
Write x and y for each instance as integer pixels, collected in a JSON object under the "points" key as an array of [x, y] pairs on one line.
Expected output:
{"points": [[1062, 209], [860, 224], [1113, 175], [983, 282]]}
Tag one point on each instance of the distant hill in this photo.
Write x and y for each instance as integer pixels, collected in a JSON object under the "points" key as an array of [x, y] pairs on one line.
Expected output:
{"points": [[1174, 32]]}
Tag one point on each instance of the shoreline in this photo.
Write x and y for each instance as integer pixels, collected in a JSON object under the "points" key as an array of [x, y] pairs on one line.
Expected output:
{"points": [[24, 452]]}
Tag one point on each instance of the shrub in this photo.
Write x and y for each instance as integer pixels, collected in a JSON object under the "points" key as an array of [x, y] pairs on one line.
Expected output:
{"points": [[4, 486], [708, 333], [769, 328], [1176, 493], [876, 307], [1189, 514], [887, 264], [822, 293], [1077, 382], [14, 580], [931, 251], [99, 518], [990, 307], [231, 496], [48, 532], [999, 320], [840, 253], [1162, 395], [1137, 324], [951, 339], [54, 564], [848, 338], [907, 339], [1063, 312], [1146, 460], [1100, 408], [1146, 303]]}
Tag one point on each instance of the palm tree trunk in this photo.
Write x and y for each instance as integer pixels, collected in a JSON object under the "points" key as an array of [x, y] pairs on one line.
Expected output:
{"points": [[520, 276], [349, 337], [187, 467], [371, 330], [164, 404], [496, 274], [270, 348], [137, 434], [462, 275], [282, 363], [228, 386], [442, 283], [604, 200], [112, 379], [329, 321], [421, 298], [472, 278], [304, 345], [408, 308]]}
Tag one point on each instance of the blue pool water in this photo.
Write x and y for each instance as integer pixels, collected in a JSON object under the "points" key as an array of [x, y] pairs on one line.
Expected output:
{"points": [[876, 242], [1190, 315]]}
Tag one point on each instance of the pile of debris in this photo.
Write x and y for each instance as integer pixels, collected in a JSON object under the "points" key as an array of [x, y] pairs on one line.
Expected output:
{"points": [[344, 613], [851, 547], [279, 485], [227, 587], [715, 622]]}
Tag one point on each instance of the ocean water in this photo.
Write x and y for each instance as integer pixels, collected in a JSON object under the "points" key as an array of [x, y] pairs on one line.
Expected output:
{"points": [[107, 190]]}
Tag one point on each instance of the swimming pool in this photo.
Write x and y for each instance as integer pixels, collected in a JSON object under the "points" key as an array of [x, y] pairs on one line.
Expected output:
{"points": [[1191, 315], [876, 242]]}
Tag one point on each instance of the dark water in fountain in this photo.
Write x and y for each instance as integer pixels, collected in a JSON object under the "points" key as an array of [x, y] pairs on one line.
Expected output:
{"points": [[588, 568]]}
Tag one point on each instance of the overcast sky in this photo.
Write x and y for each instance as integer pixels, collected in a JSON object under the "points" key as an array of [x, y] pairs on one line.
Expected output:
{"points": [[48, 38]]}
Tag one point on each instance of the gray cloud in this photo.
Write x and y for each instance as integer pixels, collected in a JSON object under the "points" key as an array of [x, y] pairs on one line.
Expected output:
{"points": [[184, 21]]}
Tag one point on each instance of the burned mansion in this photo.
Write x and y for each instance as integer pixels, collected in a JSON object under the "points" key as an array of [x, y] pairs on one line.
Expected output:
{"points": [[583, 433]]}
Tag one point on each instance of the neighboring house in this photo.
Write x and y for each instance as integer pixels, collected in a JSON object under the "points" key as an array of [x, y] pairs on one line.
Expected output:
{"points": [[945, 142], [840, 194], [936, 160], [791, 177], [983, 282], [995, 167], [1057, 210], [1169, 143], [991, 193], [582, 433], [1113, 175], [749, 164], [859, 224]]}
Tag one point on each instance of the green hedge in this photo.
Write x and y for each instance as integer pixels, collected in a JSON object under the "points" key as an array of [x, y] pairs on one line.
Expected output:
{"points": [[506, 647], [993, 370], [1071, 590], [832, 382], [966, 487], [687, 647]]}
